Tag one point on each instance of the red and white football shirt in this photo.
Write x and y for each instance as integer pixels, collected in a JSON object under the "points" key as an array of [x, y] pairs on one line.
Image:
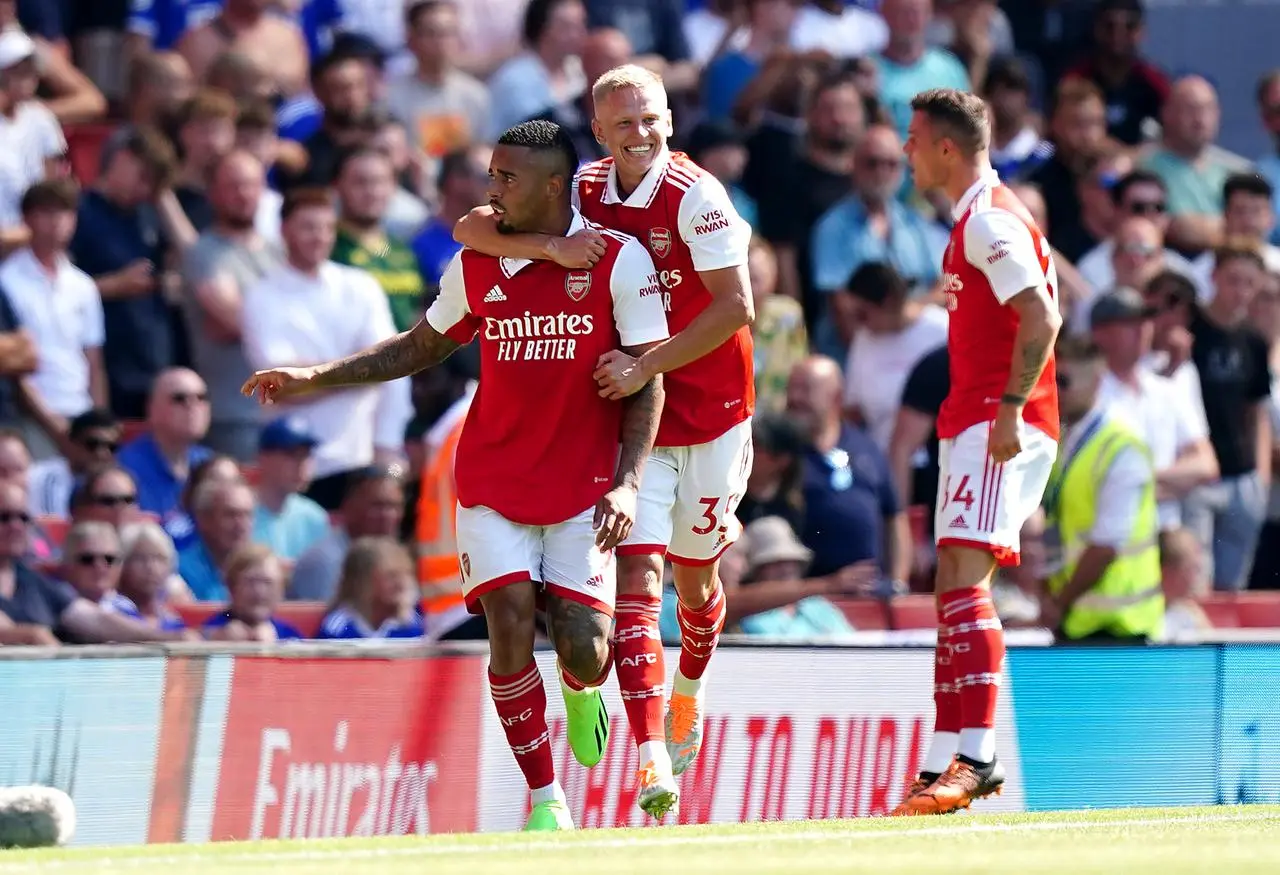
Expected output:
{"points": [[995, 252], [540, 445], [685, 218]]}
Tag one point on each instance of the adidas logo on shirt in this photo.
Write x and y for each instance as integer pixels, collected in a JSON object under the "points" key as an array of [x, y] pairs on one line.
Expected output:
{"points": [[958, 523], [494, 294]]}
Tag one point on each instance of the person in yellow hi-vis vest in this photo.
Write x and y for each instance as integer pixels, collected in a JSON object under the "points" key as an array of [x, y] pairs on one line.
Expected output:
{"points": [[439, 577], [1102, 527]]}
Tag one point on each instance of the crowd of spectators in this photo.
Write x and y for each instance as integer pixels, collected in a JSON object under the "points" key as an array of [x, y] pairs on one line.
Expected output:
{"points": [[194, 189]]}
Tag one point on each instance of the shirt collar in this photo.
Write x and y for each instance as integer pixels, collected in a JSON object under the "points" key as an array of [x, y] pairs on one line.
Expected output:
{"points": [[512, 266], [988, 179], [35, 268], [645, 191]]}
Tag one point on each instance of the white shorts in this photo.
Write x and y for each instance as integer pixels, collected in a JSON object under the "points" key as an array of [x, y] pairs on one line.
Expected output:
{"points": [[494, 552], [984, 505], [687, 499]]}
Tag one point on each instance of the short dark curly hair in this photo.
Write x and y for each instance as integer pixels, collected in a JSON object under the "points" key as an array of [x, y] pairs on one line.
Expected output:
{"points": [[543, 136]]}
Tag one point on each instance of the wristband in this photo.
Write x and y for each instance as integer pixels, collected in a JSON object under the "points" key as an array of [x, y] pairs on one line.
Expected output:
{"points": [[1016, 400]]}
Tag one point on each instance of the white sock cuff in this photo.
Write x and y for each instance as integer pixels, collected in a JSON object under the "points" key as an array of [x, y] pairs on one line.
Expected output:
{"points": [[942, 749], [551, 792], [686, 686], [978, 744]]}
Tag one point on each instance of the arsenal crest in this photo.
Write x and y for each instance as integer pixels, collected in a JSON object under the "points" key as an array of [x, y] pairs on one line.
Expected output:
{"points": [[577, 284], [465, 561], [660, 241]]}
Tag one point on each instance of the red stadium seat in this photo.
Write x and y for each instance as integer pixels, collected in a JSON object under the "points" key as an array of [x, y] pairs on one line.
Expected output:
{"points": [[913, 612], [130, 429], [866, 615], [304, 616], [84, 149], [1246, 610], [56, 528]]}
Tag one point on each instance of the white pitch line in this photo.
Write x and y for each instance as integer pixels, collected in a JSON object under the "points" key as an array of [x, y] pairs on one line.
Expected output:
{"points": [[657, 839]]}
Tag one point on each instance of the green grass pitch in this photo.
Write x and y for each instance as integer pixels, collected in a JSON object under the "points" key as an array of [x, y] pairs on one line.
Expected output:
{"points": [[1171, 841]]}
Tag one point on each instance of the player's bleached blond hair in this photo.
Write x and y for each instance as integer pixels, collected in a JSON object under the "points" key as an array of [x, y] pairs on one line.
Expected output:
{"points": [[626, 76]]}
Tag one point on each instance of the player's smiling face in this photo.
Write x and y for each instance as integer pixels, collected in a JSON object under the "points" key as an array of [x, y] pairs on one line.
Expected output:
{"points": [[633, 123]]}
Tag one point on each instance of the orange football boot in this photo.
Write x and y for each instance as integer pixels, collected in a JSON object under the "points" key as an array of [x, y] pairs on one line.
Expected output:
{"points": [[914, 789], [958, 788]]}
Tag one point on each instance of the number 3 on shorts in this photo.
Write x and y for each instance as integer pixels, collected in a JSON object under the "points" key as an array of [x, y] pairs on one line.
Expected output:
{"points": [[709, 506]]}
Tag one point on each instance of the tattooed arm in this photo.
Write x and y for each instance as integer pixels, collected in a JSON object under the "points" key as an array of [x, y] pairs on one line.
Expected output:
{"points": [[1038, 325], [407, 353], [399, 356], [616, 511], [642, 411]]}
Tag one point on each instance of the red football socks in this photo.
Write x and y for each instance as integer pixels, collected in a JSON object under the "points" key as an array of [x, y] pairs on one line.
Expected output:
{"points": [[637, 649], [699, 633], [946, 695], [977, 653], [522, 706]]}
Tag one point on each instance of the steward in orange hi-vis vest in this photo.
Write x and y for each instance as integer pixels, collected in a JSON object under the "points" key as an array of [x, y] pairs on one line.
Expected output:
{"points": [[439, 577]]}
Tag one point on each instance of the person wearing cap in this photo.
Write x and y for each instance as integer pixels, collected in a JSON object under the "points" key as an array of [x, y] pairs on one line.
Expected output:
{"points": [[1103, 557], [1171, 424], [284, 519], [1169, 419], [776, 600], [32, 146]]}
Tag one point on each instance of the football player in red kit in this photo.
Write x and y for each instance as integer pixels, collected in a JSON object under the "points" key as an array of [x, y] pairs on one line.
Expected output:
{"points": [[698, 471], [998, 432], [547, 470]]}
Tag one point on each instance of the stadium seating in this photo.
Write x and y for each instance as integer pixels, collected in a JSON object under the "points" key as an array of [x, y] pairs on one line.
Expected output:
{"points": [[84, 149], [304, 616]]}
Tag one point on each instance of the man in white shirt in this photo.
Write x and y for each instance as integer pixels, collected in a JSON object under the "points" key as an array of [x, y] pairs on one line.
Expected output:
{"points": [[32, 145], [1172, 423], [332, 312], [896, 332], [1139, 194], [60, 306]]}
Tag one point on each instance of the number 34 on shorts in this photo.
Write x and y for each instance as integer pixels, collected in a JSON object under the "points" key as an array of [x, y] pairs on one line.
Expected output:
{"points": [[983, 504], [688, 496]]}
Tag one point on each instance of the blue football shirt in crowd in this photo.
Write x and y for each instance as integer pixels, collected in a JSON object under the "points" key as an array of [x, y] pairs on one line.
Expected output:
{"points": [[284, 632], [343, 624]]}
